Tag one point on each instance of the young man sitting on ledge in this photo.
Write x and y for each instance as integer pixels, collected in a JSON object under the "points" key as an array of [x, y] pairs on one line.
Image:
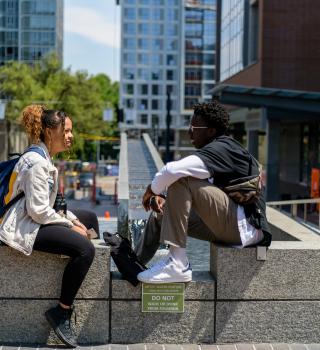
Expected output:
{"points": [[195, 203]]}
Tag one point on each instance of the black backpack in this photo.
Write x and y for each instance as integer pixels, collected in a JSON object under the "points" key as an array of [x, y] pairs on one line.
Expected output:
{"points": [[124, 257]]}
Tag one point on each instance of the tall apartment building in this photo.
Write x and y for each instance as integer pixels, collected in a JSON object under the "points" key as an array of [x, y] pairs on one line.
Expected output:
{"points": [[166, 46], [29, 29], [269, 77]]}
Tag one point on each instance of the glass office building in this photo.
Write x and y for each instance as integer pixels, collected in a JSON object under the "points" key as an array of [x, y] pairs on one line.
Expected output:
{"points": [[166, 46], [30, 29], [239, 36]]}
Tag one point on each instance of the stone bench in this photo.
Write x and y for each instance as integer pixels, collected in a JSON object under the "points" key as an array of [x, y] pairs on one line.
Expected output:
{"points": [[241, 299], [31, 284], [108, 307], [276, 300]]}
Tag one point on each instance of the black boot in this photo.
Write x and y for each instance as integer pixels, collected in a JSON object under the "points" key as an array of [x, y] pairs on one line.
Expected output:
{"points": [[60, 320]]}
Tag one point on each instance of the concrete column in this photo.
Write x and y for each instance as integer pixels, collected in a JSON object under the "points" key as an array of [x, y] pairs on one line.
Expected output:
{"points": [[273, 160], [253, 142]]}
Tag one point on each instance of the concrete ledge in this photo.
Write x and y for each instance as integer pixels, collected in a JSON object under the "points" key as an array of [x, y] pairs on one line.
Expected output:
{"points": [[129, 325], [23, 321], [268, 321], [284, 228], [202, 287], [288, 273], [39, 275], [153, 151]]}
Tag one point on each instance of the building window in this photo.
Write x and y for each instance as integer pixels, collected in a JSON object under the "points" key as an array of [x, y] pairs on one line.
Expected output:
{"points": [[156, 74], [253, 32], [143, 104], [129, 89], [207, 88], [156, 60], [157, 15], [129, 102], [156, 90], [157, 2], [128, 73], [172, 15], [193, 44], [171, 60], [144, 13], [155, 104], [144, 89], [156, 44], [129, 58], [170, 75], [172, 29], [157, 29], [208, 74], [192, 90], [194, 15], [143, 44], [171, 44], [129, 43], [144, 28], [209, 43], [143, 74], [130, 28], [144, 119], [209, 59], [190, 102], [193, 74], [193, 58], [130, 13], [143, 59]]}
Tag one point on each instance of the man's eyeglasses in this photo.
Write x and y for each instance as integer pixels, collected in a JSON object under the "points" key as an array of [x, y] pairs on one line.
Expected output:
{"points": [[191, 127]]}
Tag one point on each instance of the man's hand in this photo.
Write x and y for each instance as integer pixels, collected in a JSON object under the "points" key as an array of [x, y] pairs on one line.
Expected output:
{"points": [[157, 204], [146, 198]]}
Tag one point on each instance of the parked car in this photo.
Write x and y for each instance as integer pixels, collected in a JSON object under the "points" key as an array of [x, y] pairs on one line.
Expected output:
{"points": [[86, 179]]}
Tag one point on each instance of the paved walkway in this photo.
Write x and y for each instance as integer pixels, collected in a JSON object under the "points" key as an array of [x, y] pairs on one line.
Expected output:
{"points": [[271, 346]]}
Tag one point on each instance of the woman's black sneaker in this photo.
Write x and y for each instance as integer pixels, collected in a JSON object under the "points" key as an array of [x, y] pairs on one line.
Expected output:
{"points": [[60, 321]]}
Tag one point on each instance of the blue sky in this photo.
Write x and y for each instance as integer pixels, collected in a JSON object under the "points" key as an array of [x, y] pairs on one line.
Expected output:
{"points": [[92, 36]]}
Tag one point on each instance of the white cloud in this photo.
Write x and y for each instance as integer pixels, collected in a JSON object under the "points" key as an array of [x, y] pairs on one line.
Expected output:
{"points": [[92, 25]]}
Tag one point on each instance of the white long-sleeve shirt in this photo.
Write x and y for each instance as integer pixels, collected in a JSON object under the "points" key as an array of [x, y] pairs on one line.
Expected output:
{"points": [[195, 167]]}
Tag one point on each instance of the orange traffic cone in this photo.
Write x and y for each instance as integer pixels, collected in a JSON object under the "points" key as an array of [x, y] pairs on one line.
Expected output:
{"points": [[107, 214]]}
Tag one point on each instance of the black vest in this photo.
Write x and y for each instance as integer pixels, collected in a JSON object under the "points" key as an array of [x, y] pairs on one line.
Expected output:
{"points": [[226, 160]]}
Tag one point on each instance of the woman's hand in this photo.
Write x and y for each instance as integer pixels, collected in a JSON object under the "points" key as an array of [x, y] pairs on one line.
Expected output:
{"points": [[80, 230], [77, 223]]}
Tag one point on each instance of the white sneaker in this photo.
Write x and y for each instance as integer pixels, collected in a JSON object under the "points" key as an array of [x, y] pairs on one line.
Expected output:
{"points": [[166, 271]]}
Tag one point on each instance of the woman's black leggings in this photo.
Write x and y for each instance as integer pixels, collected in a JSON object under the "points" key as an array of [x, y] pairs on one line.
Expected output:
{"points": [[59, 239]]}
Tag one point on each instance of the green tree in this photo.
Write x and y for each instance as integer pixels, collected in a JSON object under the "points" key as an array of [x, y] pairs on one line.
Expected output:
{"points": [[82, 96]]}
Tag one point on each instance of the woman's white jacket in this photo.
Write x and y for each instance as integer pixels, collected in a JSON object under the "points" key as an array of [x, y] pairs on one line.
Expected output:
{"points": [[37, 177]]}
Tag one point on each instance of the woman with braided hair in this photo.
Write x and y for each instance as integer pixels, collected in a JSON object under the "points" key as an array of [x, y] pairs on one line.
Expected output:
{"points": [[32, 223]]}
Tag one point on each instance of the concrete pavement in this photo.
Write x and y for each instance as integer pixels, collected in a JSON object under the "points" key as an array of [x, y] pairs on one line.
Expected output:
{"points": [[262, 346]]}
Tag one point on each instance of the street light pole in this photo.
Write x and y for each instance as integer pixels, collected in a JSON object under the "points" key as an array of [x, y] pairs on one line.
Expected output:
{"points": [[168, 122]]}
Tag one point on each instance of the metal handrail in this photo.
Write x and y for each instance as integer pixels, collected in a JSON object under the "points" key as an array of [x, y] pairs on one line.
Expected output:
{"points": [[294, 206]]}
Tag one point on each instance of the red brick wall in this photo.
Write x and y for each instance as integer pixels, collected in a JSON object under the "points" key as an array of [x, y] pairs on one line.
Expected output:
{"points": [[291, 44], [289, 47]]}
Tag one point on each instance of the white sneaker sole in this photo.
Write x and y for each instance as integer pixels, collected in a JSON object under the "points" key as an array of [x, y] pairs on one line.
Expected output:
{"points": [[179, 279]]}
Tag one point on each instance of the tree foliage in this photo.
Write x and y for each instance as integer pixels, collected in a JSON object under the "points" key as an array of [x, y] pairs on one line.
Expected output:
{"points": [[82, 96]]}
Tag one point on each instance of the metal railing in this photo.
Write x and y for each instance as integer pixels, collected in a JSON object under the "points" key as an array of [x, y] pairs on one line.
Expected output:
{"points": [[294, 207]]}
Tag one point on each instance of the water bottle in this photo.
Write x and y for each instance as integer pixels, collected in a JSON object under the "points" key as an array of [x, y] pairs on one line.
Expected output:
{"points": [[60, 204]]}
